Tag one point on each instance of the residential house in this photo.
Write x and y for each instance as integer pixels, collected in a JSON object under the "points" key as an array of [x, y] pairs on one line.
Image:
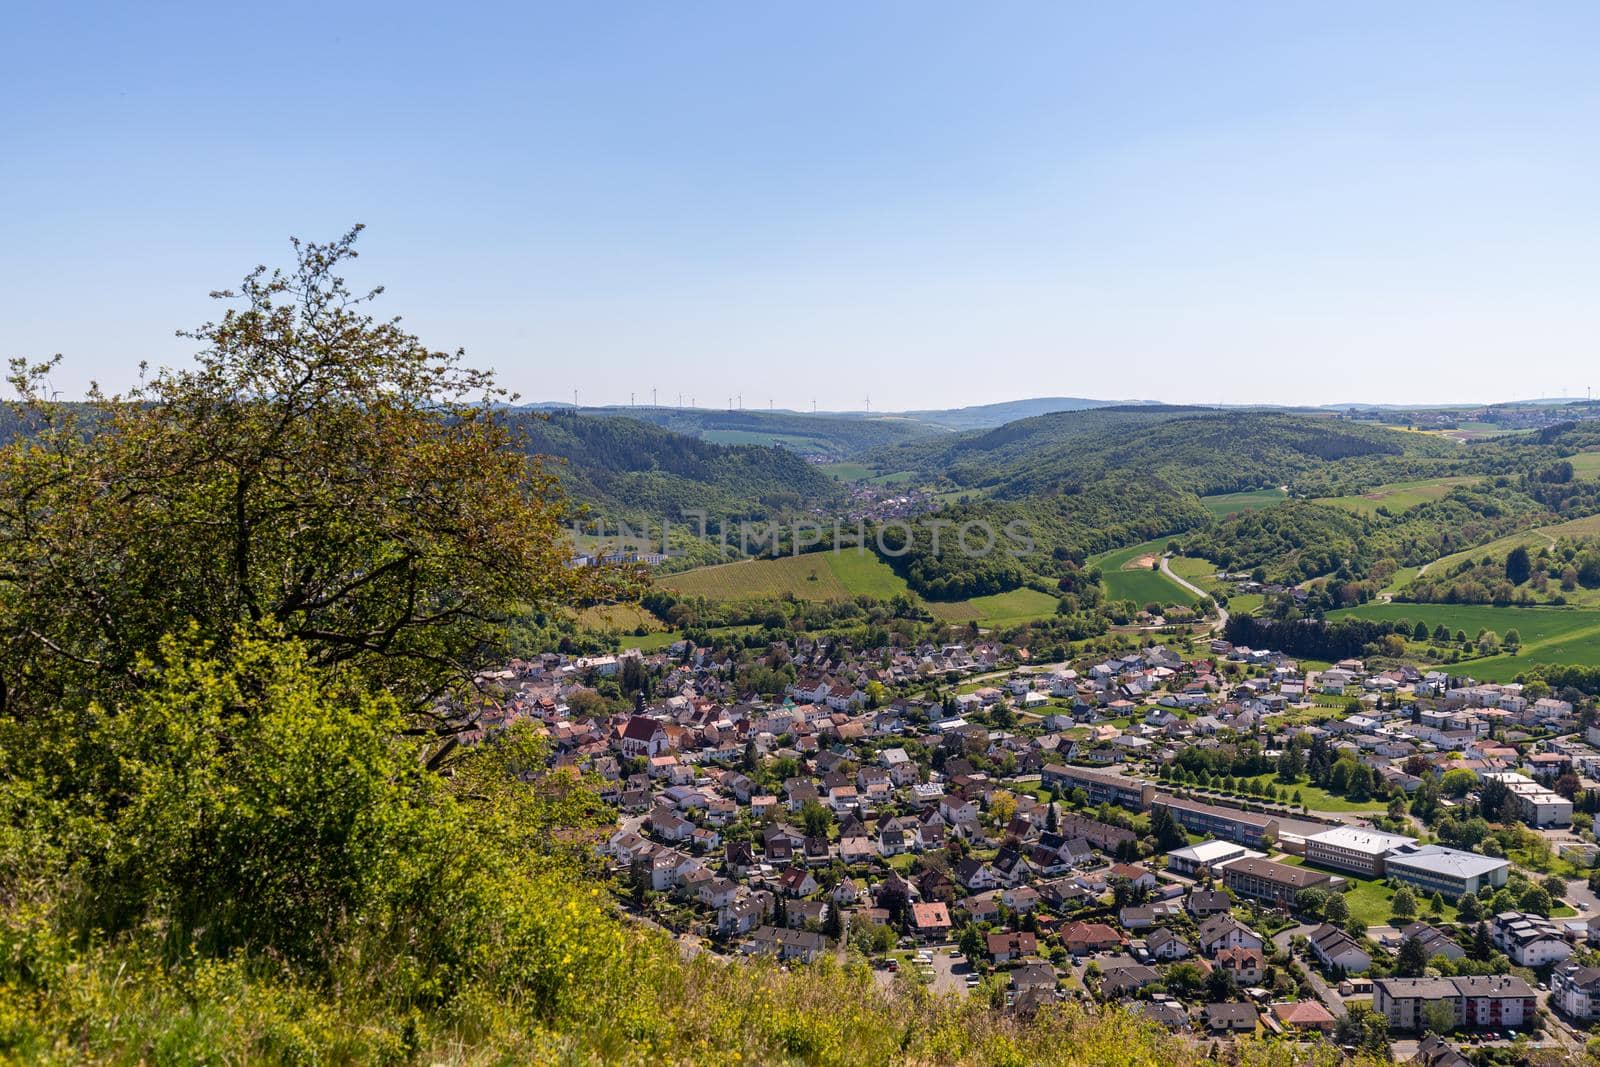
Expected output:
{"points": [[1337, 950]]}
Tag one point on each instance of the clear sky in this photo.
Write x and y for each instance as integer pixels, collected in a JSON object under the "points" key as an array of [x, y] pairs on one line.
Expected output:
{"points": [[933, 204]]}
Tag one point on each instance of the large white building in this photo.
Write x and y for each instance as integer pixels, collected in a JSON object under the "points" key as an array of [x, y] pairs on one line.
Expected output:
{"points": [[1450, 871], [1354, 849], [1210, 854], [1536, 805]]}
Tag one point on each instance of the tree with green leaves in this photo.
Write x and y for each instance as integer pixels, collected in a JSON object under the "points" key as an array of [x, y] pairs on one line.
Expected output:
{"points": [[1412, 959], [1404, 904], [1220, 985], [1438, 1017], [1168, 834], [816, 818], [833, 922], [1364, 1029], [1482, 948], [318, 475], [1518, 566]]}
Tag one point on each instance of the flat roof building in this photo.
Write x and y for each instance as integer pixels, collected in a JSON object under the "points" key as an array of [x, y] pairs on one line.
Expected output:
{"points": [[1355, 849], [1436, 869], [1536, 805], [1210, 854]]}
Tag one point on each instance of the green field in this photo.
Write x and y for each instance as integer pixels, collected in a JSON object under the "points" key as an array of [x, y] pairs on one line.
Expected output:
{"points": [[1005, 609], [808, 445], [1319, 799], [1549, 635], [1397, 496], [1586, 465], [1124, 580], [846, 574], [623, 617], [860, 472], [807, 577], [848, 472], [864, 574], [1222, 505]]}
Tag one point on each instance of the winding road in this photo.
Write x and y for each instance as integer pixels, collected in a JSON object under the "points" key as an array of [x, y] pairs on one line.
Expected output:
{"points": [[1222, 613]]}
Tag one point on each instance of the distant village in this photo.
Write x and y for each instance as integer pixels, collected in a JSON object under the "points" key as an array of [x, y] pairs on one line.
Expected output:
{"points": [[1221, 840]]}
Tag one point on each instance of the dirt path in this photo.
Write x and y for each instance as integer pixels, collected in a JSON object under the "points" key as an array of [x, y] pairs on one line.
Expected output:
{"points": [[1221, 620]]}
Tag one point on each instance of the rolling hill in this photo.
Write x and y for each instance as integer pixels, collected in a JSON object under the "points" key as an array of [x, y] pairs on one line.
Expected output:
{"points": [[628, 468]]}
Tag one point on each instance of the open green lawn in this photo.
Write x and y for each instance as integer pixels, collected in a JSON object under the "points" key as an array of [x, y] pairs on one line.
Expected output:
{"points": [[1369, 900], [1127, 574], [1549, 635], [1397, 496], [860, 472], [848, 472], [662, 638], [1319, 799], [846, 574], [1222, 505]]}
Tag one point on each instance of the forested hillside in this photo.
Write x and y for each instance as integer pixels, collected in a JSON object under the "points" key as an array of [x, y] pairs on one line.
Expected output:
{"points": [[1203, 450], [631, 469], [836, 436]]}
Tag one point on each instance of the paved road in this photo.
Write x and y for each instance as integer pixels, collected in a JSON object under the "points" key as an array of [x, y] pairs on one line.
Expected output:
{"points": [[1221, 620], [1327, 994]]}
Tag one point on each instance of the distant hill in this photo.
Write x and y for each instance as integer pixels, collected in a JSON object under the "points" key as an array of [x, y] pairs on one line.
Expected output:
{"points": [[626, 467], [982, 416], [830, 436], [1205, 450]]}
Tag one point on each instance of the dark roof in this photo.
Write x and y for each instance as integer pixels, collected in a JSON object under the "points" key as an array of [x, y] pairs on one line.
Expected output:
{"points": [[1280, 873]]}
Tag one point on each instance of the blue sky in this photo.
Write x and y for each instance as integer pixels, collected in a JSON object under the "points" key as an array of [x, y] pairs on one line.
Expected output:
{"points": [[933, 204]]}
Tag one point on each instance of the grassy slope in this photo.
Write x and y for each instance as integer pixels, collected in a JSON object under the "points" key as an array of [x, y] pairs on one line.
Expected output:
{"points": [[1549, 635], [1142, 584], [808, 577], [1397, 496], [864, 574], [1222, 505], [841, 575], [1538, 537]]}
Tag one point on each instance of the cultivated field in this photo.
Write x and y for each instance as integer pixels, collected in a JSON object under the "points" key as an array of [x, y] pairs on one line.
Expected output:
{"points": [[1125, 579], [808, 577], [1224, 504], [1397, 496], [864, 574], [618, 617]]}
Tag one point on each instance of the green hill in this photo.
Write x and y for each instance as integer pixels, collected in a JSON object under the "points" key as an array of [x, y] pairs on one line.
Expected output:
{"points": [[630, 468], [1206, 450]]}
